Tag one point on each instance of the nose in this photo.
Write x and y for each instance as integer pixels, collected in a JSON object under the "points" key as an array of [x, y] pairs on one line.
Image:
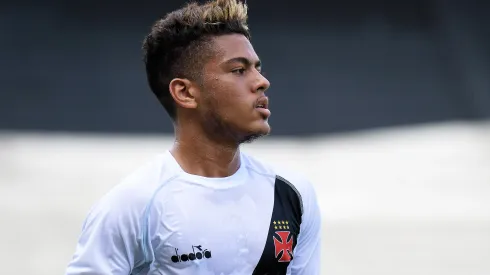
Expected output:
{"points": [[262, 83]]}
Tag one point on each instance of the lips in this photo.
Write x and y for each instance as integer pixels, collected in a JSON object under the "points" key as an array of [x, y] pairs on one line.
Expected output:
{"points": [[262, 105], [262, 102]]}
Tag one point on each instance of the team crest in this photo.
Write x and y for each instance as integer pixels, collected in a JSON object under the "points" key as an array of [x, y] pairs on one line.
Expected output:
{"points": [[283, 242]]}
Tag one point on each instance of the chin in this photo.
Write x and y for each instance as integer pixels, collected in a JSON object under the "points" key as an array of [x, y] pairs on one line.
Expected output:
{"points": [[261, 127], [256, 132]]}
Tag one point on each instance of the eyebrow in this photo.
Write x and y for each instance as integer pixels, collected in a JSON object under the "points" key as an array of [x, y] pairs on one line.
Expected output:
{"points": [[243, 60]]}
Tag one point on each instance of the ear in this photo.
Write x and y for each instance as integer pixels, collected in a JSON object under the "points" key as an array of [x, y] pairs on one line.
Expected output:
{"points": [[184, 92]]}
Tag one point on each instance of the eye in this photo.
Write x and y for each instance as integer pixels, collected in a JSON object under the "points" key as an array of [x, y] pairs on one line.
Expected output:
{"points": [[238, 71]]}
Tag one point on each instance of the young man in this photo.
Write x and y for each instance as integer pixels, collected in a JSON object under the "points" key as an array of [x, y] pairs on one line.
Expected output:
{"points": [[204, 207]]}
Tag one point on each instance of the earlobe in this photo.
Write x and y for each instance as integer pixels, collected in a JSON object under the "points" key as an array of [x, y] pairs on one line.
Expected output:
{"points": [[182, 91]]}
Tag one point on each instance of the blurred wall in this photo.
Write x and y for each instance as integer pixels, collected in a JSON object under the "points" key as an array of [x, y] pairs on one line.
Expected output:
{"points": [[403, 201], [334, 65]]}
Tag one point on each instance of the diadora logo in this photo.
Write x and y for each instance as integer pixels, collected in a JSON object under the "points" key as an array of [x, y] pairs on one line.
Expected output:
{"points": [[200, 254], [284, 244]]}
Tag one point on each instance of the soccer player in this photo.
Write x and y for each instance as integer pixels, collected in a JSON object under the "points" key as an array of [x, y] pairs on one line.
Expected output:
{"points": [[204, 207]]}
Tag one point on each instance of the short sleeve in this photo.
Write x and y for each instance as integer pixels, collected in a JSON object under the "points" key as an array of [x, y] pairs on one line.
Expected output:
{"points": [[307, 259], [109, 243]]}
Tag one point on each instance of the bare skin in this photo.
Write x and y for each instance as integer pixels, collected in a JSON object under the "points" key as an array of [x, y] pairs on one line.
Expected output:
{"points": [[227, 108]]}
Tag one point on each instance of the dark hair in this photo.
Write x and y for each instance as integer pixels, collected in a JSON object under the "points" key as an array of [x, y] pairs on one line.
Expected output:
{"points": [[178, 44]]}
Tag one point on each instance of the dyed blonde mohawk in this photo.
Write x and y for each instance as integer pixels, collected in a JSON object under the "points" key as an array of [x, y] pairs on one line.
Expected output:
{"points": [[179, 43]]}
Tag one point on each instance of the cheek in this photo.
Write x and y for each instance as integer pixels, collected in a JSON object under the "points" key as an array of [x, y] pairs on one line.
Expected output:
{"points": [[226, 107], [234, 104], [227, 97]]}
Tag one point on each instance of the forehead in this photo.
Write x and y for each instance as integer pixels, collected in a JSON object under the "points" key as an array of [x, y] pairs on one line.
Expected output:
{"points": [[233, 45]]}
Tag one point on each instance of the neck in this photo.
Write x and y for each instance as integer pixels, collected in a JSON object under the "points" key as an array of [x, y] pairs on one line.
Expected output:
{"points": [[199, 154]]}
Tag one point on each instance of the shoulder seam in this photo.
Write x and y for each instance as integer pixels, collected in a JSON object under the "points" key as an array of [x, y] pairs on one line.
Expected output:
{"points": [[295, 190], [269, 175], [146, 213]]}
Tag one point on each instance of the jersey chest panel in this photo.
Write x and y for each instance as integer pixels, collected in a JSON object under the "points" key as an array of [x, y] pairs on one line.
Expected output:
{"points": [[214, 231]]}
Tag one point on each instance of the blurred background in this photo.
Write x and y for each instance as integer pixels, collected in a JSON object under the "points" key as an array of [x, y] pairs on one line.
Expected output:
{"points": [[383, 105]]}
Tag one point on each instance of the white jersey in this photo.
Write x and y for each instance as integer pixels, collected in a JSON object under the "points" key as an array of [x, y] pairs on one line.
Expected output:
{"points": [[162, 220]]}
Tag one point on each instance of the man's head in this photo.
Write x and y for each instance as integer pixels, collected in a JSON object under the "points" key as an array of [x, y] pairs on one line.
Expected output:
{"points": [[203, 69]]}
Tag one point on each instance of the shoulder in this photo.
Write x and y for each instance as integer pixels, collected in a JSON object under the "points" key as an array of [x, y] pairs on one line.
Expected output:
{"points": [[130, 196], [297, 181]]}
